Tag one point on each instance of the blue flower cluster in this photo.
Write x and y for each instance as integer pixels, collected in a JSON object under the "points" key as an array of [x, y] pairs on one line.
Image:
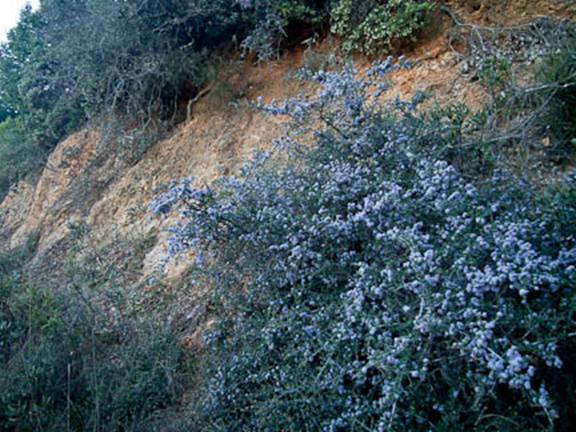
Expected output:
{"points": [[369, 282]]}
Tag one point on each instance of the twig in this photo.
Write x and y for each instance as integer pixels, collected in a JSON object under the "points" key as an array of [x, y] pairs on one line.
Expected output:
{"points": [[193, 101]]}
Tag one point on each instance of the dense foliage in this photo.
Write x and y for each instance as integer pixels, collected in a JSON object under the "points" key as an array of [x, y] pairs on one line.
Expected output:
{"points": [[67, 364], [371, 26], [558, 77], [364, 280]]}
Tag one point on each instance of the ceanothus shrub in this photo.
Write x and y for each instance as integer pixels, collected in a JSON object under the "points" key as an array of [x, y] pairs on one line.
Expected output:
{"points": [[366, 285]]}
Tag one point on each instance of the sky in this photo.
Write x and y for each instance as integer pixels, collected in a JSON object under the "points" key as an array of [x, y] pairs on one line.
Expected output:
{"points": [[9, 13]]}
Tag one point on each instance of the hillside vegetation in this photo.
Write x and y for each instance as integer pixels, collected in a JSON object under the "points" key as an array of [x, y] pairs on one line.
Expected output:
{"points": [[73, 60], [389, 263]]}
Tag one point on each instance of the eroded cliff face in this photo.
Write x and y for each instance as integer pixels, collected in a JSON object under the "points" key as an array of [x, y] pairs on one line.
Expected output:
{"points": [[84, 183]]}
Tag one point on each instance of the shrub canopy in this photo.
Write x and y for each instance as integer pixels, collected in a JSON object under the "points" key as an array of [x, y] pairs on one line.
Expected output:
{"points": [[366, 281]]}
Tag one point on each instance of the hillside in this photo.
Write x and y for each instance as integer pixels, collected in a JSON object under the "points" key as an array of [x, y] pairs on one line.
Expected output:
{"points": [[83, 223]]}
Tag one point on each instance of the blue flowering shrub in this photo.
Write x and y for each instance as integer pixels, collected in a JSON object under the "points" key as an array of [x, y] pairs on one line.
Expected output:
{"points": [[363, 284]]}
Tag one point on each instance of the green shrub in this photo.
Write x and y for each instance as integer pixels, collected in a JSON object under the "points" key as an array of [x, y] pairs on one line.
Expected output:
{"points": [[64, 365], [270, 20], [18, 155], [371, 26], [558, 76]]}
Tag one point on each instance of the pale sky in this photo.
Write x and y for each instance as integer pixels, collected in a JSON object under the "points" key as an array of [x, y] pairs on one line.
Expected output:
{"points": [[9, 13]]}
